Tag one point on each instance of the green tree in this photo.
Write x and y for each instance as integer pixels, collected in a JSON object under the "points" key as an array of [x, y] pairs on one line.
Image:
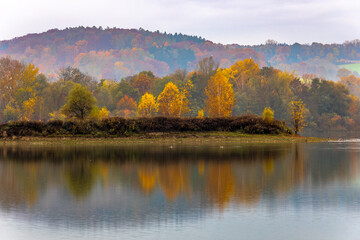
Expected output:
{"points": [[79, 103]]}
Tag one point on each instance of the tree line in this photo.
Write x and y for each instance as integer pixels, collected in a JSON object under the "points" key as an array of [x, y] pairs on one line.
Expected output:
{"points": [[208, 91]]}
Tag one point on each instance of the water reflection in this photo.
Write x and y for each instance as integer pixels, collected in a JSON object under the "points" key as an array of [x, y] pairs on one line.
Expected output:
{"points": [[138, 184]]}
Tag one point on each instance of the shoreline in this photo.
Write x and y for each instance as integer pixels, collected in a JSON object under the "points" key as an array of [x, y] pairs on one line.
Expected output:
{"points": [[177, 137]]}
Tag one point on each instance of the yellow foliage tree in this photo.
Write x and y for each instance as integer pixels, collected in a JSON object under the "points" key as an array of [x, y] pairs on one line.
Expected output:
{"points": [[10, 72], [242, 71], [298, 115], [57, 115], [104, 113], [99, 114], [28, 108], [28, 77], [147, 106], [268, 115], [220, 96], [184, 96], [173, 102], [200, 114]]}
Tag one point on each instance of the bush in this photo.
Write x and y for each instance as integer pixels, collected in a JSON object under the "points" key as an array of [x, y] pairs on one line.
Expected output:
{"points": [[251, 124]]}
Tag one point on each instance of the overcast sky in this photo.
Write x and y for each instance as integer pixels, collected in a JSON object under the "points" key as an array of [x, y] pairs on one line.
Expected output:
{"points": [[221, 21]]}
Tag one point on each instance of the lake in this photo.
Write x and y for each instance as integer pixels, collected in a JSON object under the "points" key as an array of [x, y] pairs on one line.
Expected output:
{"points": [[180, 191]]}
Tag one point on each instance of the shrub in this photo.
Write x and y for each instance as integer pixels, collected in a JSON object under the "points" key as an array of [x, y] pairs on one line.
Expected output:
{"points": [[117, 126]]}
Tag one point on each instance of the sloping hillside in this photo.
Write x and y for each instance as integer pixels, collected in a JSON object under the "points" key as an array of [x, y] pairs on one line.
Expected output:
{"points": [[116, 53]]}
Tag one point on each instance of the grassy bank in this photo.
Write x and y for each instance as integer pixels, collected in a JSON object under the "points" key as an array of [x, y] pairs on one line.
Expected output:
{"points": [[145, 127], [165, 138]]}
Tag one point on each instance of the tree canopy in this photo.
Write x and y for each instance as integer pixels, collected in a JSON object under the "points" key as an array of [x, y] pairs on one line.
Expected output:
{"points": [[242, 88], [79, 103]]}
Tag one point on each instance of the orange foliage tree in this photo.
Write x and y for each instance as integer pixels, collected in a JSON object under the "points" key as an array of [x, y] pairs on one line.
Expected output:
{"points": [[126, 107], [143, 82]]}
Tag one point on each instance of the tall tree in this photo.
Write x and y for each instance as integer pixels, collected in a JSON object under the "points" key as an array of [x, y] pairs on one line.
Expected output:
{"points": [[10, 72], [242, 72], [169, 101], [184, 96], [298, 115], [220, 96], [205, 69]]}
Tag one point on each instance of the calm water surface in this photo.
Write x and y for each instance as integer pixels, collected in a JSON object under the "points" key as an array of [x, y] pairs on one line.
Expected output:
{"points": [[183, 191]]}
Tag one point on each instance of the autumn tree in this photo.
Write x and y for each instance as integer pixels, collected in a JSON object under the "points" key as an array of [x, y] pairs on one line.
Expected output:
{"points": [[174, 102], [200, 114], [298, 115], [147, 106], [126, 103], [179, 76], [352, 83], [354, 106], [205, 69], [242, 72], [20, 86], [169, 101], [99, 114], [220, 96], [126, 107], [268, 115], [28, 108], [10, 72], [76, 76], [79, 103], [143, 82], [184, 96], [108, 93], [26, 87], [54, 96]]}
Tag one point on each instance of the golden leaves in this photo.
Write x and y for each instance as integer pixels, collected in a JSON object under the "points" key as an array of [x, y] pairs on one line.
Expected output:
{"points": [[173, 102], [298, 115], [220, 96], [147, 106]]}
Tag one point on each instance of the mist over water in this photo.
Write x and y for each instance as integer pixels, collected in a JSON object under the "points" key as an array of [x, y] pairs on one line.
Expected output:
{"points": [[194, 191]]}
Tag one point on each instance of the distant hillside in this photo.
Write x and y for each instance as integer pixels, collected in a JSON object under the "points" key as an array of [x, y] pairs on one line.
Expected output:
{"points": [[116, 53]]}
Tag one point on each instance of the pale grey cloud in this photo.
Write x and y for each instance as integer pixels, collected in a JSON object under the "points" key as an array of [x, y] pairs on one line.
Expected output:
{"points": [[225, 21]]}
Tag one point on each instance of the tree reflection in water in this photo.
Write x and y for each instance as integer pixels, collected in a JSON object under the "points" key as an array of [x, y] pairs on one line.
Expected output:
{"points": [[148, 178]]}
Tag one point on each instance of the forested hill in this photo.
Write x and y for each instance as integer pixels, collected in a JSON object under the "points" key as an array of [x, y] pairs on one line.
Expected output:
{"points": [[116, 53]]}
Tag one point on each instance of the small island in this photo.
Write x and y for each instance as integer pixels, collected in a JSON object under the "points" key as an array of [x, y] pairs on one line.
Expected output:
{"points": [[246, 128]]}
